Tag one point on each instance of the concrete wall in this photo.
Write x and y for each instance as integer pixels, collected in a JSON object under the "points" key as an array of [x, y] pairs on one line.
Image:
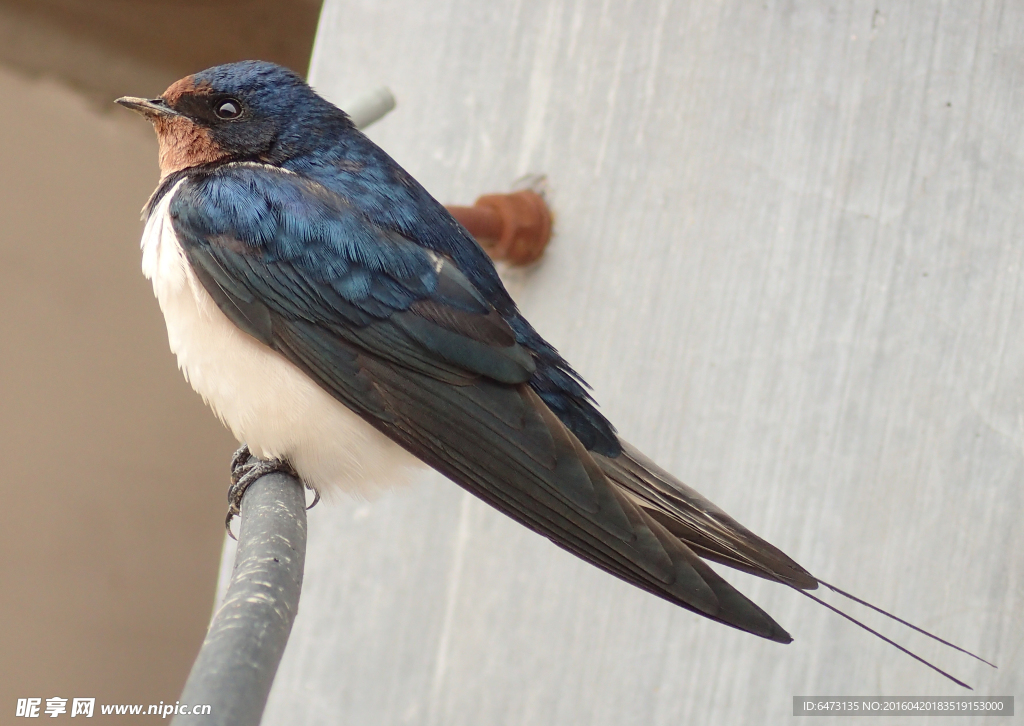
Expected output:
{"points": [[789, 261]]}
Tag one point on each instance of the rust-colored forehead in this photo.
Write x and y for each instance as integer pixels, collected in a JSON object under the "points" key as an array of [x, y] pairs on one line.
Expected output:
{"points": [[186, 86]]}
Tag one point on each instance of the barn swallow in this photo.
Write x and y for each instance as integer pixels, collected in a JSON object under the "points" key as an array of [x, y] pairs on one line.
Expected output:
{"points": [[339, 321]]}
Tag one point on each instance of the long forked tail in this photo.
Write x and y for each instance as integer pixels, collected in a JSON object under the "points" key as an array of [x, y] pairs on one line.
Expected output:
{"points": [[890, 641], [713, 534], [901, 621]]}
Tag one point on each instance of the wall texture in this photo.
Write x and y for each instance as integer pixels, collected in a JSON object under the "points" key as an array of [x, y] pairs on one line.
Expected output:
{"points": [[789, 261]]}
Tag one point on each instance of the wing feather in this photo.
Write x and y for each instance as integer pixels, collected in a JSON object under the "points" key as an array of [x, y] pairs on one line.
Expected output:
{"points": [[401, 336]]}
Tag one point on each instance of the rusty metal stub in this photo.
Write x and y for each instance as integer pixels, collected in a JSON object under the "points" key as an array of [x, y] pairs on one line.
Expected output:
{"points": [[513, 227]]}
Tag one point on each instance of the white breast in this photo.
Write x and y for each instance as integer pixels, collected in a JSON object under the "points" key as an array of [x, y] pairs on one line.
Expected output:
{"points": [[266, 401]]}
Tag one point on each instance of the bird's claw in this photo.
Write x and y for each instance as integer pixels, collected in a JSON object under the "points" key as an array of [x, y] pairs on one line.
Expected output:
{"points": [[245, 470], [239, 461]]}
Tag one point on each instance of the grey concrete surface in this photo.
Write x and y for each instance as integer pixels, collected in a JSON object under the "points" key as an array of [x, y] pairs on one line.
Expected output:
{"points": [[789, 260]]}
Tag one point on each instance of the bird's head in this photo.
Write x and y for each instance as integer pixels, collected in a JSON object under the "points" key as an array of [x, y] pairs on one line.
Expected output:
{"points": [[251, 110]]}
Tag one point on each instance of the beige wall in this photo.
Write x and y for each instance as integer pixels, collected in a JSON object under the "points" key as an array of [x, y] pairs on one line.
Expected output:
{"points": [[101, 46], [114, 473]]}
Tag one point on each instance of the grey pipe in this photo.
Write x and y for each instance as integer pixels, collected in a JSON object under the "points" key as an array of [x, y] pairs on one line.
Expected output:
{"points": [[370, 107], [238, 660]]}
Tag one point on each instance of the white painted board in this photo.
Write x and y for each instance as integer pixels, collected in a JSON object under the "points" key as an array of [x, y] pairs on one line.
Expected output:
{"points": [[789, 260]]}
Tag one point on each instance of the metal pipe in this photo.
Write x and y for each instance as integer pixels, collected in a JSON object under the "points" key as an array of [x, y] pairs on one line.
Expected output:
{"points": [[370, 107], [513, 227], [243, 647]]}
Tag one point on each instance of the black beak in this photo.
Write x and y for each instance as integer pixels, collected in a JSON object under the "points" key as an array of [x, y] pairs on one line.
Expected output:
{"points": [[147, 107]]}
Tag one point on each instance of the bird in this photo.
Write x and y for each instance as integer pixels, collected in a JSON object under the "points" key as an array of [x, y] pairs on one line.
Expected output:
{"points": [[345, 327]]}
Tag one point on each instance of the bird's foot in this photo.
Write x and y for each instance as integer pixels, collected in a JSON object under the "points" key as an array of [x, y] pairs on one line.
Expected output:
{"points": [[245, 470]]}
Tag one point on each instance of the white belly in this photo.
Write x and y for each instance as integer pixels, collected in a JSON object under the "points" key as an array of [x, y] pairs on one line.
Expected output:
{"points": [[266, 401]]}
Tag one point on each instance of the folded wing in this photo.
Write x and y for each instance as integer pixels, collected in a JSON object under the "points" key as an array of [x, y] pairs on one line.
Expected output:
{"points": [[400, 335]]}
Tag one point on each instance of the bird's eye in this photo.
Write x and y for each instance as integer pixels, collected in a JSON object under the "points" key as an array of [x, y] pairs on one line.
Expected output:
{"points": [[228, 109]]}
